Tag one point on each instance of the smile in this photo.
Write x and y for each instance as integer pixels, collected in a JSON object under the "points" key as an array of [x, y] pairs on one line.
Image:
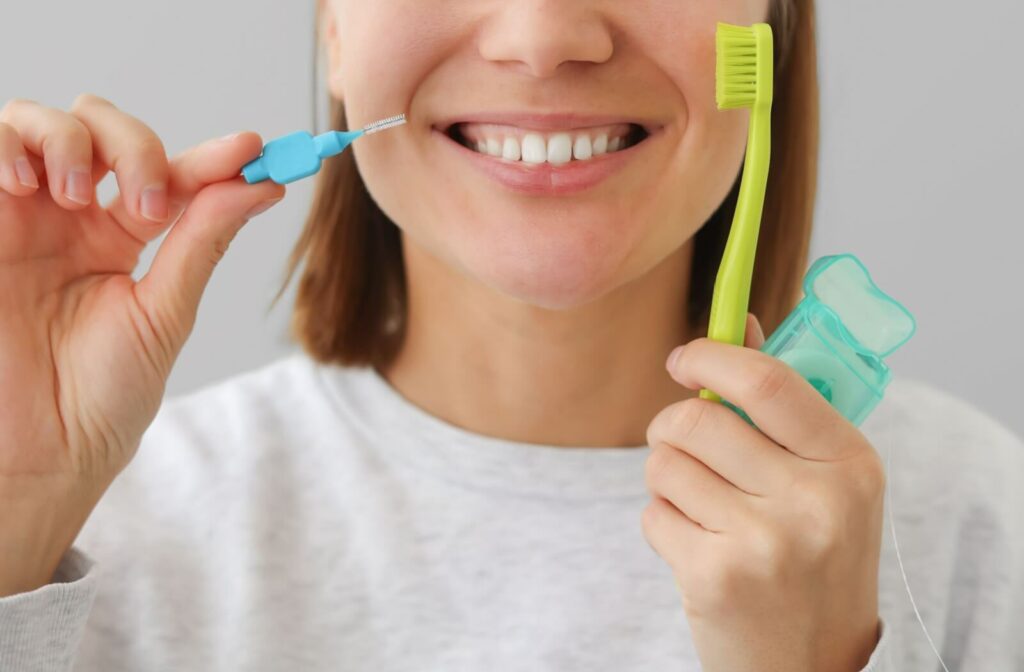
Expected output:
{"points": [[548, 155], [515, 144]]}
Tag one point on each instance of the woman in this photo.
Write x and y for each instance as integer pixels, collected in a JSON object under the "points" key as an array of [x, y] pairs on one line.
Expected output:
{"points": [[482, 457]]}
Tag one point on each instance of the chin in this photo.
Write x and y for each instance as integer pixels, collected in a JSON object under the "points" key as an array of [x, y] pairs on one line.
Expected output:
{"points": [[551, 264]]}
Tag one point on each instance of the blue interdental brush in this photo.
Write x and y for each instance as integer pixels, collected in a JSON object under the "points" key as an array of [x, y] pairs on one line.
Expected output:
{"points": [[297, 155]]}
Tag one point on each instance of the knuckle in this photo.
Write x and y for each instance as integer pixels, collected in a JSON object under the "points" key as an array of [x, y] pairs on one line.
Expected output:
{"points": [[68, 132], [137, 151], [78, 131], [686, 417], [87, 100], [652, 431], [822, 533], [822, 521], [768, 549], [656, 427], [218, 249], [657, 464], [868, 478], [652, 523], [766, 383], [718, 590], [650, 517], [146, 152], [14, 105], [150, 146]]}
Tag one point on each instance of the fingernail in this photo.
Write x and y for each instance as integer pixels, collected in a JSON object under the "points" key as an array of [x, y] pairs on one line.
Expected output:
{"points": [[262, 207], [154, 203], [673, 357], [78, 186], [23, 169], [228, 138]]}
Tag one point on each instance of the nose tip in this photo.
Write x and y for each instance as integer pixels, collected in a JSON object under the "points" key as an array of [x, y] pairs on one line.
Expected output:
{"points": [[542, 36]]}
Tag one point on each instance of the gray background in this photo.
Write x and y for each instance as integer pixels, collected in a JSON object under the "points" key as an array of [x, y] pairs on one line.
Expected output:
{"points": [[920, 172]]}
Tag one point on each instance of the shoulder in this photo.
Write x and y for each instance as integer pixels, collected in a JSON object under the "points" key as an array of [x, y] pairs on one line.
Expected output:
{"points": [[234, 473], [954, 500], [283, 410], [253, 434], [921, 414], [242, 404], [946, 448]]}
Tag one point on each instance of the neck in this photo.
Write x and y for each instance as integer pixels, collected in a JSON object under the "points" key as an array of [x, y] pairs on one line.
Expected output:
{"points": [[593, 375]]}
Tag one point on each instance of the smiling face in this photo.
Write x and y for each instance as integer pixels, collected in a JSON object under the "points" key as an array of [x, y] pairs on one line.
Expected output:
{"points": [[555, 149]]}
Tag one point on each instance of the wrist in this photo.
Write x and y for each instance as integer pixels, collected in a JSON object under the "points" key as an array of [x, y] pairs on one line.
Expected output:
{"points": [[37, 527], [854, 652]]}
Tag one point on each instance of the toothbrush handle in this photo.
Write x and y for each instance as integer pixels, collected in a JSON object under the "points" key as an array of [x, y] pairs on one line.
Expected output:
{"points": [[731, 296]]}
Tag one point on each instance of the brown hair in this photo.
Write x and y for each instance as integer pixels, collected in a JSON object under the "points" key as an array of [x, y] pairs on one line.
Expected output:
{"points": [[350, 304]]}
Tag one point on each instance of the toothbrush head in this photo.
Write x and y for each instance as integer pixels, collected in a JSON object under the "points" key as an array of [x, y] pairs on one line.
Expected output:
{"points": [[744, 70]]}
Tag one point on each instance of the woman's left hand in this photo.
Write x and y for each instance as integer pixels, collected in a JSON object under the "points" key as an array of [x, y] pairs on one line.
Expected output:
{"points": [[773, 537]]}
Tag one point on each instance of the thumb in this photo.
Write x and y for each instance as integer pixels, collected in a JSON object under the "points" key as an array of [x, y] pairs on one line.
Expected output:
{"points": [[754, 335], [172, 287]]}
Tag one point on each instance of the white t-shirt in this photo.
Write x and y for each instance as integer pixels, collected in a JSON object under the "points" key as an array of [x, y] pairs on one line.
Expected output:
{"points": [[309, 517]]}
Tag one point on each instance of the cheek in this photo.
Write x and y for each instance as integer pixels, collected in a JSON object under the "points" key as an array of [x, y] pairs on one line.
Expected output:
{"points": [[385, 50], [548, 252], [712, 142]]}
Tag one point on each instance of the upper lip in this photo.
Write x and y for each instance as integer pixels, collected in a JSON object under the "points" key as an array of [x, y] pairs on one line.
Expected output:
{"points": [[556, 121]]}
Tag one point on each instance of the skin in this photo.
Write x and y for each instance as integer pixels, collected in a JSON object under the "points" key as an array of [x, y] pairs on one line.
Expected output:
{"points": [[526, 292], [547, 319], [536, 319], [85, 351]]}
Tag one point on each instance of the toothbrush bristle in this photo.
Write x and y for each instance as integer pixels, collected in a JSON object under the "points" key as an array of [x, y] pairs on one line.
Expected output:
{"points": [[736, 70], [383, 124]]}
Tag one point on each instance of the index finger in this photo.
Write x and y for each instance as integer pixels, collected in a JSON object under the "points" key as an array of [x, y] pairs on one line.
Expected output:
{"points": [[783, 405], [134, 152], [205, 164]]}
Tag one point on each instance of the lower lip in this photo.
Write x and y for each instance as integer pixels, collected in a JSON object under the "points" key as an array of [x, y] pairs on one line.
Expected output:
{"points": [[545, 178]]}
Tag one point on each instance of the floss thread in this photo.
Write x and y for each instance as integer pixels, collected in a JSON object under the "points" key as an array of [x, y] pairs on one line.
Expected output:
{"points": [[899, 559]]}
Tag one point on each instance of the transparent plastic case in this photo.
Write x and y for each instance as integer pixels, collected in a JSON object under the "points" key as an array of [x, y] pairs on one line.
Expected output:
{"points": [[839, 335]]}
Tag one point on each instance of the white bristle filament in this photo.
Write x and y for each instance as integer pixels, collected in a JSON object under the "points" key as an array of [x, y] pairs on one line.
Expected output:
{"points": [[384, 124]]}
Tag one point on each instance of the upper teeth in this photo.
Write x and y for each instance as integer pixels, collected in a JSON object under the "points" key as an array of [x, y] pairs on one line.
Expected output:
{"points": [[516, 144]]}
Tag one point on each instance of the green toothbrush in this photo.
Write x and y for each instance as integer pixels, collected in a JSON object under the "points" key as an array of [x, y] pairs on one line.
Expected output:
{"points": [[744, 76]]}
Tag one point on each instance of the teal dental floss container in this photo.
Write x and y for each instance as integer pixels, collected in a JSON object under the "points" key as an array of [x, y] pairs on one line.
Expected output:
{"points": [[839, 335]]}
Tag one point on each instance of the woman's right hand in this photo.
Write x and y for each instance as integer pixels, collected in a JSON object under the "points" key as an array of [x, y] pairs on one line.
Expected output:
{"points": [[85, 350]]}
